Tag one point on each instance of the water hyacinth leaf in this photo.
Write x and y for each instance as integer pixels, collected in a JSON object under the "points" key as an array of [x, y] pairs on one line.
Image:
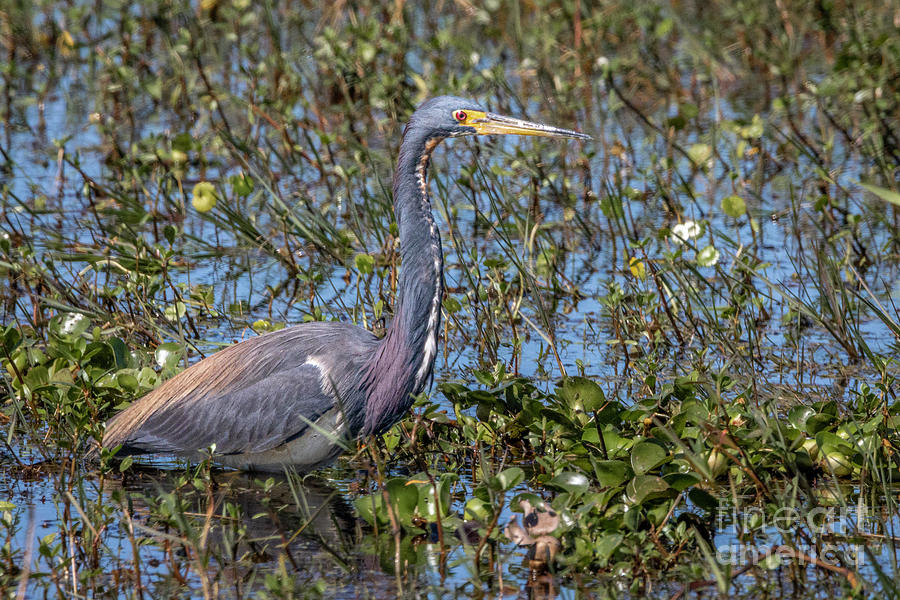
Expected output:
{"points": [[695, 413], [830, 443], [610, 473], [404, 498], [261, 325], [616, 443], [581, 393], [754, 130], [734, 206], [818, 422], [657, 514], [836, 463], [607, 544], [127, 381], [70, 324], [799, 415], [868, 444], [478, 510], [829, 407], [647, 455], [646, 487], [781, 431], [703, 499], [167, 355], [11, 339], [688, 110], [612, 207], [572, 482], [36, 378], [555, 416], [371, 508], [772, 561], [717, 462], [590, 435], [681, 481], [390, 555], [509, 478], [428, 507], [610, 414], [451, 305], [708, 257], [147, 377]]}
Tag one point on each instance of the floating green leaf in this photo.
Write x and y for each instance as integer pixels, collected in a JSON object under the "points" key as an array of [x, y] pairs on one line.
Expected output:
{"points": [[404, 498], [681, 481], [818, 422], [581, 393], [646, 487], [647, 455], [798, 416], [371, 508], [703, 499], [479, 510], [734, 206], [204, 196], [607, 545], [611, 473], [127, 381], [428, 506], [572, 482], [167, 355], [509, 478], [708, 257]]}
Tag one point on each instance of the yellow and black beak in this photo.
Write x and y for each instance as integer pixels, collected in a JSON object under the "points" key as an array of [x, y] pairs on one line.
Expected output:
{"points": [[490, 123]]}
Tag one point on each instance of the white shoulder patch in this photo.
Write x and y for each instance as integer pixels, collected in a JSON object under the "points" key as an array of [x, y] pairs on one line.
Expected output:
{"points": [[325, 383]]}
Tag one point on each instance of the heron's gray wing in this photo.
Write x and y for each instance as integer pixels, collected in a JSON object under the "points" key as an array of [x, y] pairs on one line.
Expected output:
{"points": [[257, 418], [252, 393]]}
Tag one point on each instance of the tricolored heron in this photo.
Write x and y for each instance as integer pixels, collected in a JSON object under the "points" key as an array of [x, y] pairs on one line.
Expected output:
{"points": [[288, 398]]}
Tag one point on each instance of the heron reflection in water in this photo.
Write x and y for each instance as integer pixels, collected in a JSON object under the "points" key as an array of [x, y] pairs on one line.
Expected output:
{"points": [[290, 397]]}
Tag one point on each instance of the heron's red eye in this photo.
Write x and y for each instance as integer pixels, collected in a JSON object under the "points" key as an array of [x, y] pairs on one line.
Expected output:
{"points": [[460, 115]]}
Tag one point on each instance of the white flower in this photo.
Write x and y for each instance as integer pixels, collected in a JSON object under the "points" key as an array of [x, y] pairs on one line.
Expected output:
{"points": [[685, 231]]}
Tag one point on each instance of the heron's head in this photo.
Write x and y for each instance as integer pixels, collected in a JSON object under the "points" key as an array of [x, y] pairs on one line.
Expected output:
{"points": [[450, 116]]}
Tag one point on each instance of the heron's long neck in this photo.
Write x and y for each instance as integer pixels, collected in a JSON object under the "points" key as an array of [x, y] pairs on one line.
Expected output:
{"points": [[402, 364]]}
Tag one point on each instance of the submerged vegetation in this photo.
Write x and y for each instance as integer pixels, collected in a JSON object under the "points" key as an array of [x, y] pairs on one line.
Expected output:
{"points": [[668, 365]]}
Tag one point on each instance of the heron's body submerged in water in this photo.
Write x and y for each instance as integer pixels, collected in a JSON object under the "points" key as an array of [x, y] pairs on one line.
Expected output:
{"points": [[289, 397]]}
